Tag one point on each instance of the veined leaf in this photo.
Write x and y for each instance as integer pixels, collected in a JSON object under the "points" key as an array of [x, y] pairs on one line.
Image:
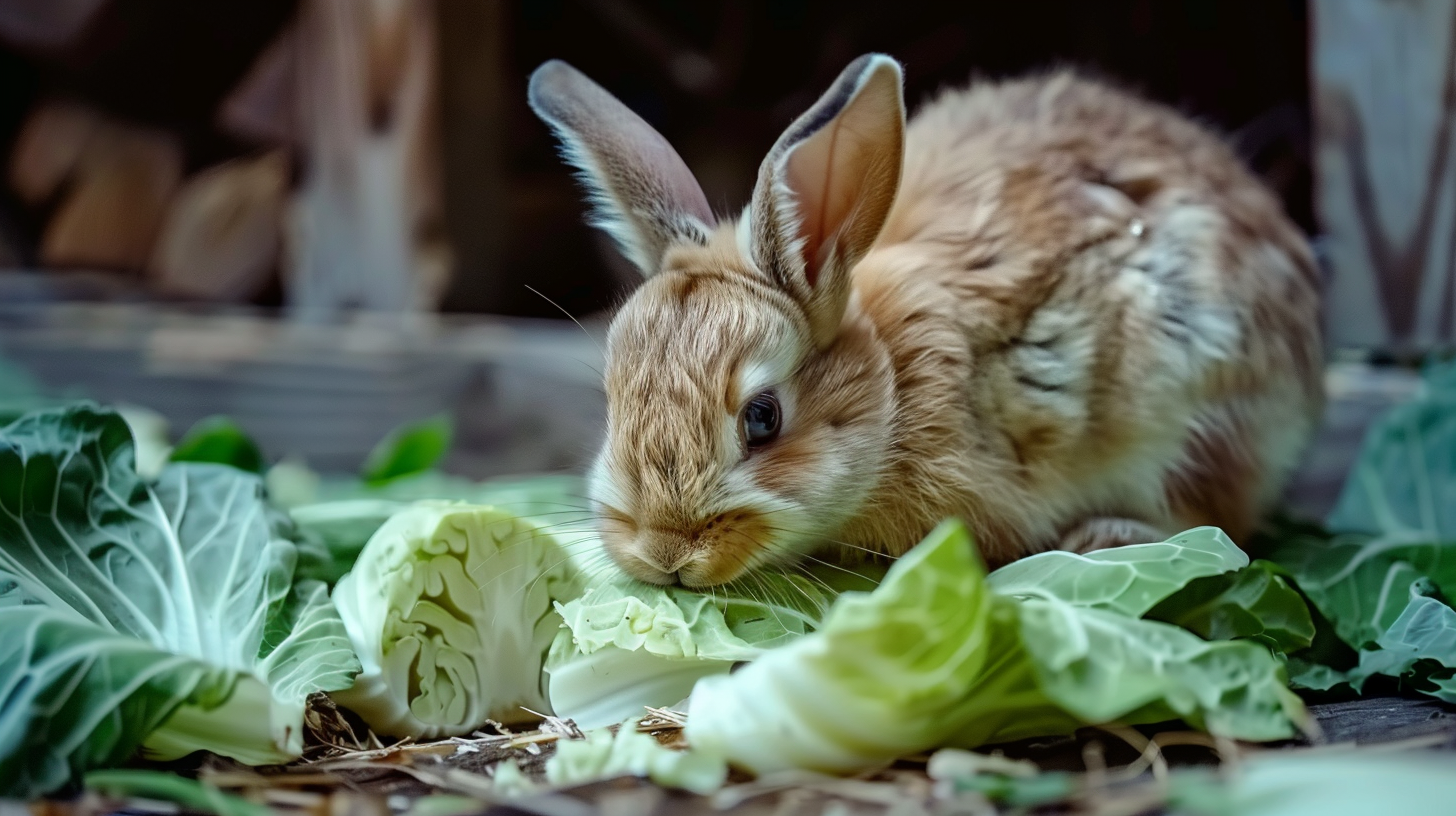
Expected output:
{"points": [[1404, 480], [75, 696], [1383, 578], [188, 574], [1362, 583], [221, 441], [1254, 602], [1128, 580]]}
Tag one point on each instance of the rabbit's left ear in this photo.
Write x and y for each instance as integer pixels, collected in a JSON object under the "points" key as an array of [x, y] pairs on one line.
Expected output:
{"points": [[641, 191], [826, 188]]}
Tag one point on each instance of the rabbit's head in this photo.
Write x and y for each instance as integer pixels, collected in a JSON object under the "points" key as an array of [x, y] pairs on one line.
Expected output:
{"points": [[749, 407]]}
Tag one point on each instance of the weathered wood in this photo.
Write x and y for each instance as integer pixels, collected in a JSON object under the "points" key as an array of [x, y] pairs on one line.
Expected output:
{"points": [[46, 24], [1387, 719], [364, 228], [525, 394], [115, 180], [49, 147], [475, 116], [1385, 103], [223, 230]]}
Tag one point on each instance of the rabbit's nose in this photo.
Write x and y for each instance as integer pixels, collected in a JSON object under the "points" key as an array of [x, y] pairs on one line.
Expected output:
{"points": [[666, 550]]}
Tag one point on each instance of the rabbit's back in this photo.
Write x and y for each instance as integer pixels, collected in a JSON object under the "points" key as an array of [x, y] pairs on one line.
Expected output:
{"points": [[1095, 311]]}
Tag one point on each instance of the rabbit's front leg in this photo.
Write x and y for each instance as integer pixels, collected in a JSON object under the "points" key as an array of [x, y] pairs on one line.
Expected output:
{"points": [[1101, 533]]}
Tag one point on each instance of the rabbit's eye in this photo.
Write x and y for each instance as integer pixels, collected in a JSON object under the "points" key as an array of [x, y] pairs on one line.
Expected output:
{"points": [[761, 420]]}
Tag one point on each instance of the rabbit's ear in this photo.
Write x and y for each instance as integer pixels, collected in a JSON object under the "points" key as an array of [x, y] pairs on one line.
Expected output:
{"points": [[642, 194], [826, 188]]}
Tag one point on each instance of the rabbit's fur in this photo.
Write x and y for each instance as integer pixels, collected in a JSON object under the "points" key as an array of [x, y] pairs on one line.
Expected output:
{"points": [[1067, 315]]}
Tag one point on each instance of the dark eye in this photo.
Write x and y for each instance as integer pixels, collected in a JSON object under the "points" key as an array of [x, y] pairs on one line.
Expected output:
{"points": [[761, 420]]}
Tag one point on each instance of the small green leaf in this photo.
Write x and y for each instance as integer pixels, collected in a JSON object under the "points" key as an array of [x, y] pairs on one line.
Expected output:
{"points": [[408, 450], [219, 440], [169, 787], [1254, 602]]}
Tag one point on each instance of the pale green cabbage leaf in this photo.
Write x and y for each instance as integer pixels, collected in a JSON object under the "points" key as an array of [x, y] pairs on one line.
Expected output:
{"points": [[936, 657], [626, 645], [1127, 580], [605, 754]]}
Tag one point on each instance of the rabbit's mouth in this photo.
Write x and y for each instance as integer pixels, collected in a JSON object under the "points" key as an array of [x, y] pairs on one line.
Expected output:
{"points": [[712, 551]]}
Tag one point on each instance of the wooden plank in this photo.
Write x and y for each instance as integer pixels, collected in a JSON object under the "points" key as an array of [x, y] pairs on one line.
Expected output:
{"points": [[1385, 102], [525, 395], [1387, 719]]}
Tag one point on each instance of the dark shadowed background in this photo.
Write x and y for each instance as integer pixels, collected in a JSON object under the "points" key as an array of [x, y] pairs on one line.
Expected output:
{"points": [[719, 79], [199, 195]]}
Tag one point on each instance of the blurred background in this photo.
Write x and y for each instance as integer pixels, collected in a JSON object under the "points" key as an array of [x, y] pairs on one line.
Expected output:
{"points": [[326, 217]]}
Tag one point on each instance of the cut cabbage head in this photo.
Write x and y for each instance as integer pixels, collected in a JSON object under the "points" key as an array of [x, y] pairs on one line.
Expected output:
{"points": [[450, 610]]}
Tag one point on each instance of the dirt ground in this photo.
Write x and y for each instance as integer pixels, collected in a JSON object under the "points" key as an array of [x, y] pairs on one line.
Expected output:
{"points": [[1103, 771]]}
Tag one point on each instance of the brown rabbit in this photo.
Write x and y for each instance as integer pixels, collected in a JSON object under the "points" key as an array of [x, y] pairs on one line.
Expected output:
{"points": [[1066, 315]]}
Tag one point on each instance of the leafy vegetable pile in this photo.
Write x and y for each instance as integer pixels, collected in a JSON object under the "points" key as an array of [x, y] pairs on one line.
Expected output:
{"points": [[940, 655], [197, 605], [162, 614]]}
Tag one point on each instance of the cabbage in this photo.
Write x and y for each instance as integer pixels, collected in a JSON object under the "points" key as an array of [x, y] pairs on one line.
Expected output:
{"points": [[449, 608], [1385, 579], [162, 615], [936, 656], [337, 516], [626, 645], [629, 752]]}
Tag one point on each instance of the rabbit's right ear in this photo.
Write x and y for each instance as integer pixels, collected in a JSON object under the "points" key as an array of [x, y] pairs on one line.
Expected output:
{"points": [[826, 188], [642, 194]]}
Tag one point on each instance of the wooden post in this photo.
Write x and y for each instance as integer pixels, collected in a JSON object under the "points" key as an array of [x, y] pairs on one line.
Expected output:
{"points": [[1385, 104], [364, 227]]}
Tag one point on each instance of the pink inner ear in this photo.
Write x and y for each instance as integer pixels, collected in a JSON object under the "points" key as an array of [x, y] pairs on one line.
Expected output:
{"points": [[822, 205], [842, 169]]}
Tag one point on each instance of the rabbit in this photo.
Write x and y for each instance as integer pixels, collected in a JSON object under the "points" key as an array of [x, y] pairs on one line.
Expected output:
{"points": [[1053, 309]]}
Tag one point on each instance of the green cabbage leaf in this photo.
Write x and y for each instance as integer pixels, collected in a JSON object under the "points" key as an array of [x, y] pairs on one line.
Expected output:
{"points": [[161, 615], [1385, 573]]}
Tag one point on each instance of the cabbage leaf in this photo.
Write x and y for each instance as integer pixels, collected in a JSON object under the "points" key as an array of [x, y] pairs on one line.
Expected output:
{"points": [[1255, 602], [1385, 577], [1127, 580], [132, 613], [935, 656], [1404, 480], [603, 754], [626, 645]]}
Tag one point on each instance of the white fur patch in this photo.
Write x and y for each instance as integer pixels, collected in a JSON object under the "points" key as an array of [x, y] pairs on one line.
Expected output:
{"points": [[602, 488]]}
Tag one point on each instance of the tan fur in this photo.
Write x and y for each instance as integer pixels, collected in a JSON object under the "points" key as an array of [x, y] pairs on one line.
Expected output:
{"points": [[1083, 323]]}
